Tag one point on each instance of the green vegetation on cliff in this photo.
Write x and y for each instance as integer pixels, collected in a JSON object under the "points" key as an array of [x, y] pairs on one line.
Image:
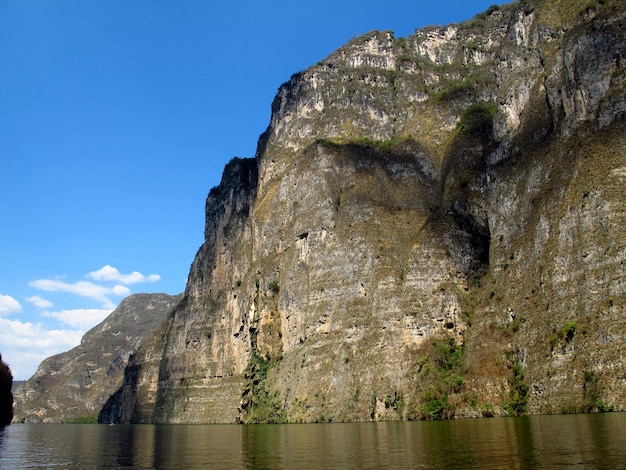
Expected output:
{"points": [[441, 372], [259, 403]]}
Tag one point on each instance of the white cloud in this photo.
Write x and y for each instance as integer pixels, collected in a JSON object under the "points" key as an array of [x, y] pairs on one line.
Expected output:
{"points": [[39, 302], [24, 345], [120, 290], [9, 305], [83, 318], [83, 289], [109, 273]]}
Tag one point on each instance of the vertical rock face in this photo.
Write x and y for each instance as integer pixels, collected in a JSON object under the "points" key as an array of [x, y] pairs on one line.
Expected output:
{"points": [[74, 385], [6, 396], [432, 227], [208, 340]]}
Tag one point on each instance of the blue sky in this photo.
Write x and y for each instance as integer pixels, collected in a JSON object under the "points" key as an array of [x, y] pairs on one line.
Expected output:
{"points": [[117, 117]]}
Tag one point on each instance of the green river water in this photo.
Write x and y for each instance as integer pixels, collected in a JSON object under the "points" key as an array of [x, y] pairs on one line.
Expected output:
{"points": [[543, 442]]}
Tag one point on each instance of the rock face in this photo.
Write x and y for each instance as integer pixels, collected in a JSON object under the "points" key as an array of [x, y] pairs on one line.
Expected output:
{"points": [[433, 227], [6, 396], [73, 386]]}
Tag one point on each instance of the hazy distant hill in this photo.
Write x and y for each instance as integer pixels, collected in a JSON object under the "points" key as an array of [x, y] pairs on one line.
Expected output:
{"points": [[17, 383]]}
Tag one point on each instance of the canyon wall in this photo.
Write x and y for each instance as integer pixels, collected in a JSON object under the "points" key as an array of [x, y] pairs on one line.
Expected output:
{"points": [[432, 227]]}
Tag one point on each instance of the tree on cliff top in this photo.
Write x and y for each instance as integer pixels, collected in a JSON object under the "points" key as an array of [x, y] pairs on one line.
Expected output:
{"points": [[6, 397]]}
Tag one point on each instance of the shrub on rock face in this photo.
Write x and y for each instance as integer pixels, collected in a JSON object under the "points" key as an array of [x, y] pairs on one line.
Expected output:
{"points": [[6, 397]]}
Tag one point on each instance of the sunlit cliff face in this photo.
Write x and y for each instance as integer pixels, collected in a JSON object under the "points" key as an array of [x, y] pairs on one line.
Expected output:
{"points": [[432, 227]]}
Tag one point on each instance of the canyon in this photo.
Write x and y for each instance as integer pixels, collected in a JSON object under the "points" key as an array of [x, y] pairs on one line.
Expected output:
{"points": [[432, 227]]}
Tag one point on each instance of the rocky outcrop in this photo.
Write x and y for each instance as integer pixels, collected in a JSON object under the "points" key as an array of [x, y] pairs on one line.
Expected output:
{"points": [[74, 385], [6, 396], [432, 227]]}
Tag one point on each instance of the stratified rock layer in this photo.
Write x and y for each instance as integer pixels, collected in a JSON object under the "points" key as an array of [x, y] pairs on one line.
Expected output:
{"points": [[433, 227]]}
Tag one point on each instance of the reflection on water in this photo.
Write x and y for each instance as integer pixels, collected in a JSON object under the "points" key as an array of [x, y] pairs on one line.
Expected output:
{"points": [[573, 441]]}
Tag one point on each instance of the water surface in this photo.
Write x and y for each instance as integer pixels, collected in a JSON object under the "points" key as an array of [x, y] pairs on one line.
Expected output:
{"points": [[542, 442]]}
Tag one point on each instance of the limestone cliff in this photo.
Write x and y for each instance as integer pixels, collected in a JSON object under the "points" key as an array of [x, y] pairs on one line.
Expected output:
{"points": [[433, 227], [74, 385]]}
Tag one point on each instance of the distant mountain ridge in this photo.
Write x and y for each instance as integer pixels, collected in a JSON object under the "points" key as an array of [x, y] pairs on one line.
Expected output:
{"points": [[74, 385]]}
